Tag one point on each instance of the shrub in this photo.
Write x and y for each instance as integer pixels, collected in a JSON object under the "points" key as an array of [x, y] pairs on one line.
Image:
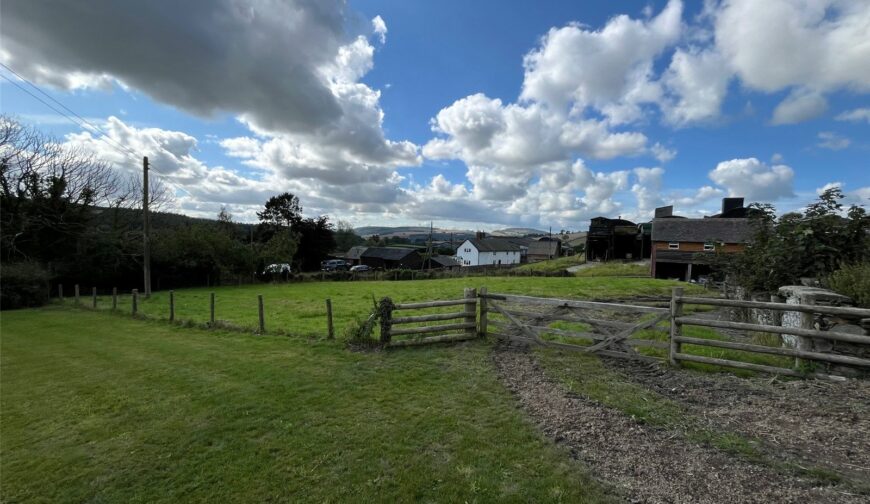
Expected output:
{"points": [[854, 281], [23, 285]]}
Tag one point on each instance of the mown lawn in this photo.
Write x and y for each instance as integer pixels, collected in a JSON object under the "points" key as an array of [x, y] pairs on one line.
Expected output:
{"points": [[104, 408], [299, 308]]}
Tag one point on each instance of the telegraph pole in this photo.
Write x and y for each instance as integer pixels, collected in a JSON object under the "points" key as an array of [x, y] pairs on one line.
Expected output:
{"points": [[146, 228]]}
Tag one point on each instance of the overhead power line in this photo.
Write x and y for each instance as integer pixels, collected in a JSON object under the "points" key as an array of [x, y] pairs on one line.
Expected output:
{"points": [[81, 122]]}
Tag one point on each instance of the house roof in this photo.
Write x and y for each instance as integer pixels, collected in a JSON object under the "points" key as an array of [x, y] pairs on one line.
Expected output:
{"points": [[702, 230], [356, 252], [388, 253], [544, 247], [494, 245], [444, 261]]}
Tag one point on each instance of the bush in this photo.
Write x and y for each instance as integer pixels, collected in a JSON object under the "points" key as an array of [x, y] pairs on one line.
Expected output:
{"points": [[853, 281], [23, 285]]}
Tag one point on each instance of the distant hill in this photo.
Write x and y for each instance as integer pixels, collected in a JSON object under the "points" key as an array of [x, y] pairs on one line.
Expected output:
{"points": [[517, 232]]}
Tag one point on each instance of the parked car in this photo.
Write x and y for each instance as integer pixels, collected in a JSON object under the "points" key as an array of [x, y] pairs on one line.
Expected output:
{"points": [[278, 268], [333, 265], [360, 268]]}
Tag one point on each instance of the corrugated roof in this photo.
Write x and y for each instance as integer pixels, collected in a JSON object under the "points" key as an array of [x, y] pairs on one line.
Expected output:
{"points": [[702, 230], [546, 248], [388, 253], [444, 261], [494, 245], [356, 252]]}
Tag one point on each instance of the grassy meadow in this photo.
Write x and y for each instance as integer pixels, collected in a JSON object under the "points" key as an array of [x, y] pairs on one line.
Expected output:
{"points": [[300, 308], [101, 408]]}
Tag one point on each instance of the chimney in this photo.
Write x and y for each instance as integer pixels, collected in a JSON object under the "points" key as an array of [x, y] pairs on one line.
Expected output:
{"points": [[665, 211], [729, 204], [480, 235]]}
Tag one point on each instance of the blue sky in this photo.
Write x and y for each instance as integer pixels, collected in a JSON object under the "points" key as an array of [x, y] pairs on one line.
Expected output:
{"points": [[472, 114]]}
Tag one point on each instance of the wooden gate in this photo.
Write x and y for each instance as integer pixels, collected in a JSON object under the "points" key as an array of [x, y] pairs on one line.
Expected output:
{"points": [[585, 326]]}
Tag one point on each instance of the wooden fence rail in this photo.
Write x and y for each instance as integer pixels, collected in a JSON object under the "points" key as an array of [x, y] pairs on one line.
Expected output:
{"points": [[805, 335], [467, 329]]}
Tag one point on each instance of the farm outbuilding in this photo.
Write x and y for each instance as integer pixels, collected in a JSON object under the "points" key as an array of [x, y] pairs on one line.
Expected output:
{"points": [[610, 239], [391, 258], [682, 248]]}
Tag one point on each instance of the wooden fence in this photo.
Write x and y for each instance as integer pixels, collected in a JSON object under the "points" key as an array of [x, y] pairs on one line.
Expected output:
{"points": [[805, 334], [457, 331]]}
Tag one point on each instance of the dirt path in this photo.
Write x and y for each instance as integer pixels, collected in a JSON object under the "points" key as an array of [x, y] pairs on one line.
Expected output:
{"points": [[818, 423], [648, 465]]}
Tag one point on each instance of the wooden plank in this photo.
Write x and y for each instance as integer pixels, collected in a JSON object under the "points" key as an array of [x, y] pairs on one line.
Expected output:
{"points": [[724, 324], [676, 311], [330, 329], [428, 318], [734, 303], [431, 329], [570, 303], [446, 338], [211, 308], [624, 334], [260, 314], [755, 367], [791, 352], [470, 294], [433, 304], [482, 326], [522, 327]]}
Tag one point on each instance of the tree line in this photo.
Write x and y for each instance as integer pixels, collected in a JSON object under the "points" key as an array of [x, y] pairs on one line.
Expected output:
{"points": [[69, 217]]}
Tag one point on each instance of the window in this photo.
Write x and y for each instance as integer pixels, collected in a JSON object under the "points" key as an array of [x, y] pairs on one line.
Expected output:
{"points": [[674, 245], [709, 247]]}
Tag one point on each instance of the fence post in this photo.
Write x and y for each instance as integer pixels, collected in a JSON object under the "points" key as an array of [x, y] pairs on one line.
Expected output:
{"points": [[260, 312], [94, 297], [329, 327], [807, 322], [135, 301], [171, 306], [60, 292], [114, 298], [471, 310], [483, 312], [676, 327], [211, 306], [77, 294]]}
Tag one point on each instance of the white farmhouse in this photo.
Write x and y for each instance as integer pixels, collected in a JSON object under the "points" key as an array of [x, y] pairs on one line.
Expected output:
{"points": [[486, 251]]}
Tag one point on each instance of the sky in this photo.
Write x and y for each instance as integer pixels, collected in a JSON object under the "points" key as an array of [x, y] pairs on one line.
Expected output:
{"points": [[474, 115]]}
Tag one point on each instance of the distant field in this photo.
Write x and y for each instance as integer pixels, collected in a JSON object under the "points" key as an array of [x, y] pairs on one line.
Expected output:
{"points": [[615, 269], [101, 408], [299, 308]]}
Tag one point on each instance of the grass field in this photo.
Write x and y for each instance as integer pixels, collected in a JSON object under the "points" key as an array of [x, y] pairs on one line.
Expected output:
{"points": [[554, 265], [616, 270], [299, 308], [103, 408]]}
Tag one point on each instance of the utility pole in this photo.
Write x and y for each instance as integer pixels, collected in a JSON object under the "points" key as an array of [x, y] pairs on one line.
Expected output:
{"points": [[146, 228]]}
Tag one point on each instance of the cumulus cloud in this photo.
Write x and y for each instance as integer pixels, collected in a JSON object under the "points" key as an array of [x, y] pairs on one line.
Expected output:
{"points": [[608, 69], [647, 190], [798, 107], [832, 141], [662, 153], [697, 82], [754, 179], [855, 115]]}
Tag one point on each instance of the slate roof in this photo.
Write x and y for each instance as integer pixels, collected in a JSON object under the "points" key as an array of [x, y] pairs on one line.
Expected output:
{"points": [[388, 253], [494, 245], [356, 252], [545, 248], [444, 261], [702, 230]]}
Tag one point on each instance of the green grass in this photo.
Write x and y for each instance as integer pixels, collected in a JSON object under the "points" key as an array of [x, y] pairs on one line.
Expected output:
{"points": [[553, 265], [299, 308], [104, 408], [615, 269]]}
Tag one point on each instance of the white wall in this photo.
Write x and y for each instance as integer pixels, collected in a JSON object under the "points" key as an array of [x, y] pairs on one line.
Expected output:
{"points": [[467, 254]]}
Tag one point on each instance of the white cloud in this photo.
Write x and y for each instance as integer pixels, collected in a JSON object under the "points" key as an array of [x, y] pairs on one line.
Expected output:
{"points": [[647, 191], [609, 69], [698, 81], [799, 106], [662, 153], [379, 27], [855, 115], [832, 141], [753, 179], [776, 44]]}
